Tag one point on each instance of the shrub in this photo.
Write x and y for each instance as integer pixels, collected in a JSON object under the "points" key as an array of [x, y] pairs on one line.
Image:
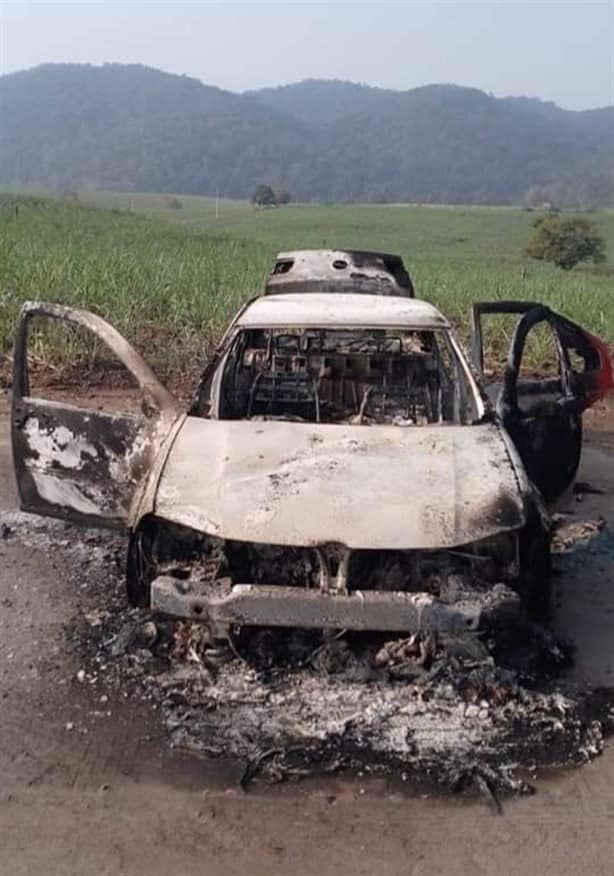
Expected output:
{"points": [[566, 241]]}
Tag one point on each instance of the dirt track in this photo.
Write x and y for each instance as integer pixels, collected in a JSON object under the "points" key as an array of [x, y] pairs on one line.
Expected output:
{"points": [[84, 791]]}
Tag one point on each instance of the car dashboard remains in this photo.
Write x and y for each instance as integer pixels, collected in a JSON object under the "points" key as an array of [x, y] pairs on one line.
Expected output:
{"points": [[341, 376]]}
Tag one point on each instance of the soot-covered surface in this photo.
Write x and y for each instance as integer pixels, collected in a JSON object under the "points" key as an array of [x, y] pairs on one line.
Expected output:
{"points": [[284, 704], [445, 712]]}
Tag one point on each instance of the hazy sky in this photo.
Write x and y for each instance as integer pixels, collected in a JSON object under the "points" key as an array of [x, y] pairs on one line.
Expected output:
{"points": [[556, 50]]}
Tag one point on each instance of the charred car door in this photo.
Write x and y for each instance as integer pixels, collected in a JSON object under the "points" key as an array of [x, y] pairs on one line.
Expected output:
{"points": [[78, 463], [543, 414]]}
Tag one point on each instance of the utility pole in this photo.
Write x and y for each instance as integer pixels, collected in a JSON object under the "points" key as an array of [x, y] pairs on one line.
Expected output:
{"points": [[217, 203]]}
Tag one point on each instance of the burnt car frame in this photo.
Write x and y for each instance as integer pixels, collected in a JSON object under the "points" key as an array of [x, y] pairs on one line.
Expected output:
{"points": [[341, 466], [353, 271]]}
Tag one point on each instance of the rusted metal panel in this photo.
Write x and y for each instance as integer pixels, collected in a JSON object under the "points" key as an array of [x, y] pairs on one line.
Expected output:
{"points": [[248, 604], [381, 487]]}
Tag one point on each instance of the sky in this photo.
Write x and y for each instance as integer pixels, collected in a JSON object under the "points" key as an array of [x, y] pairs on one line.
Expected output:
{"points": [[559, 50]]}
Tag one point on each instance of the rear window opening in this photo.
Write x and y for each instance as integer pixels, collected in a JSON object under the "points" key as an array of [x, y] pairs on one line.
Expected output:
{"points": [[357, 377], [282, 266]]}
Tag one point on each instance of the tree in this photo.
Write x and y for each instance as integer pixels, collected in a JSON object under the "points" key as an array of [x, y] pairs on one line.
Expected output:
{"points": [[566, 241], [264, 196], [282, 195]]}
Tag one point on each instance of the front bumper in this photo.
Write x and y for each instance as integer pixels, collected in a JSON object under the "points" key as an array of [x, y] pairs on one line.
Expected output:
{"points": [[278, 606]]}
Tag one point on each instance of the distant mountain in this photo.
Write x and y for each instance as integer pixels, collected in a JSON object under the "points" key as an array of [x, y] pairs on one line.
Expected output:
{"points": [[131, 127], [135, 128], [458, 145], [322, 100]]}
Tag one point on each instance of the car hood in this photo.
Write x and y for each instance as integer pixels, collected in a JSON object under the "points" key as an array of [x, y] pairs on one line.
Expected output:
{"points": [[376, 487]]}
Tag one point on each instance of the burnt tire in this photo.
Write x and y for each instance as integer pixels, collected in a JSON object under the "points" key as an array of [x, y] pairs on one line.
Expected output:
{"points": [[535, 585]]}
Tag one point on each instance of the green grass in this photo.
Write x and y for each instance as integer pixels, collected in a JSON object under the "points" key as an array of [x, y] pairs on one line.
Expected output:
{"points": [[484, 233], [170, 279]]}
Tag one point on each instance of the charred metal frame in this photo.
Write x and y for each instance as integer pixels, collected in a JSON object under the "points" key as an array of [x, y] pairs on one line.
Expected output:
{"points": [[549, 443], [80, 464], [310, 374], [114, 464], [207, 399], [155, 395], [399, 611], [185, 574], [597, 377], [339, 271]]}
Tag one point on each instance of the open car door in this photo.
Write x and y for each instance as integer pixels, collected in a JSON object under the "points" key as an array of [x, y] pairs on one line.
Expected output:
{"points": [[543, 414], [81, 463]]}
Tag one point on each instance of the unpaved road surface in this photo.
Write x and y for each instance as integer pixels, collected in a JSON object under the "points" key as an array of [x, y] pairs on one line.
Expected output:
{"points": [[89, 785]]}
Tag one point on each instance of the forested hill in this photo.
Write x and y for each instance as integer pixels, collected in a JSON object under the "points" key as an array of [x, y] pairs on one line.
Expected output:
{"points": [[322, 100], [130, 127]]}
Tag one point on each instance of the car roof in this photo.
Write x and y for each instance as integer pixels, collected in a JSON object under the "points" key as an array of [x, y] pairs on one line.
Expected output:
{"points": [[339, 270], [327, 309]]}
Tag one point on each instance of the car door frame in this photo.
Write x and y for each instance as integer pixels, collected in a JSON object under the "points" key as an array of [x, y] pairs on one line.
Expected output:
{"points": [[549, 442], [78, 463]]}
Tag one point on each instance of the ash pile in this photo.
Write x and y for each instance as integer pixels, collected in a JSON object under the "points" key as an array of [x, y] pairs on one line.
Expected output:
{"points": [[484, 711], [476, 711], [455, 712], [480, 710]]}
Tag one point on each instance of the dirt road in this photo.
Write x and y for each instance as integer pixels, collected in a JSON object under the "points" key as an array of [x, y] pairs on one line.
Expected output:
{"points": [[87, 784]]}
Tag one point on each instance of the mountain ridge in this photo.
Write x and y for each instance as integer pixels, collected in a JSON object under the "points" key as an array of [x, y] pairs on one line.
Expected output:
{"points": [[137, 128]]}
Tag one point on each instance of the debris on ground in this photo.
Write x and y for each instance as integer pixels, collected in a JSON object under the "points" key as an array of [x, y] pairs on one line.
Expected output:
{"points": [[461, 712], [575, 535], [480, 712], [457, 717]]}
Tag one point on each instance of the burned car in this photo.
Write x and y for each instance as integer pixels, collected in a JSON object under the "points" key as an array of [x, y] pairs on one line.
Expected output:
{"points": [[340, 467]]}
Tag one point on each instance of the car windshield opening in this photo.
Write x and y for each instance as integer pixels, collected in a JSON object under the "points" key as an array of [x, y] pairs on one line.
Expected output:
{"points": [[362, 376]]}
